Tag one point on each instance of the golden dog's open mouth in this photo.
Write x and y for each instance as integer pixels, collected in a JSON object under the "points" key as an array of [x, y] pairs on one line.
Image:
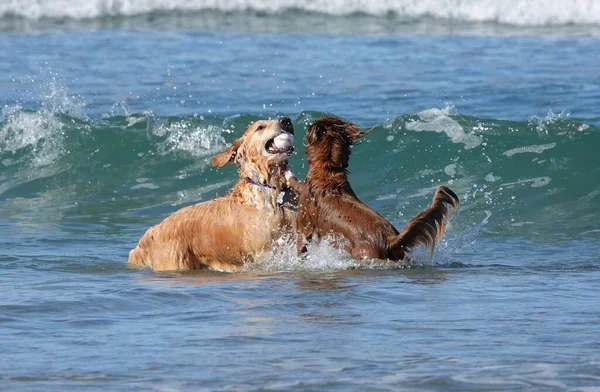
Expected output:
{"points": [[282, 144]]}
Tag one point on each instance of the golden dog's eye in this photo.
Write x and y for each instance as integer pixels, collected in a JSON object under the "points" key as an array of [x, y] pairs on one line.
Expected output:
{"points": [[261, 127]]}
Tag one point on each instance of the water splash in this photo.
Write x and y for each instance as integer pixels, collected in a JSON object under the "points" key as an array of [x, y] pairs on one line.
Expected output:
{"points": [[56, 99], [40, 132], [541, 124], [284, 258], [320, 257], [448, 247], [185, 136]]}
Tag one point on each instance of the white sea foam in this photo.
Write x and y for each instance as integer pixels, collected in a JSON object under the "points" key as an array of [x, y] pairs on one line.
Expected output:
{"points": [[145, 185], [514, 12], [537, 149], [389, 196], [490, 177], [450, 169], [536, 182], [439, 120]]}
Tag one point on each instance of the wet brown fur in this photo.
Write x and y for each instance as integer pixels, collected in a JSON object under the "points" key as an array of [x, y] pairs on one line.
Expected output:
{"points": [[329, 207], [224, 233]]}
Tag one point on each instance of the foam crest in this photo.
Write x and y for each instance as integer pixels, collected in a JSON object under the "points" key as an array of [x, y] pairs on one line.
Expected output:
{"points": [[40, 132], [513, 12], [541, 123]]}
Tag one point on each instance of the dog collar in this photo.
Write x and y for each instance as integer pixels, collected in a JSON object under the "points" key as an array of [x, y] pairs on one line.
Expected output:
{"points": [[251, 181], [279, 197]]}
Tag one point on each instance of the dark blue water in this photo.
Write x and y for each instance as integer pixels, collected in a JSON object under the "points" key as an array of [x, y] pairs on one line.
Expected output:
{"points": [[107, 126]]}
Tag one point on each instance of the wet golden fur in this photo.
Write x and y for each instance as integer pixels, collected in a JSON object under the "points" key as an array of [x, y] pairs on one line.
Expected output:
{"points": [[224, 233], [329, 207]]}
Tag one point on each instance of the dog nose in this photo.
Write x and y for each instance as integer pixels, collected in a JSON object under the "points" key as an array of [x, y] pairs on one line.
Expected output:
{"points": [[286, 124]]}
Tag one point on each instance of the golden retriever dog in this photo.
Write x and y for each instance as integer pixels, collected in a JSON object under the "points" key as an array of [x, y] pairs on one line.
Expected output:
{"points": [[329, 207], [224, 233]]}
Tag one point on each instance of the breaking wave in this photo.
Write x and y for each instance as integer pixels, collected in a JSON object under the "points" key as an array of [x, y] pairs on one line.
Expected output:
{"points": [[534, 178], [512, 12]]}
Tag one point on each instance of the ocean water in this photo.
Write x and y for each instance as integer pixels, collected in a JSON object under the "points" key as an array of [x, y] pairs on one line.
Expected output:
{"points": [[110, 111]]}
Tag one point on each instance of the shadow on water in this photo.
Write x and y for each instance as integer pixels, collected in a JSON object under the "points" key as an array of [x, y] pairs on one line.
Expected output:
{"points": [[323, 281]]}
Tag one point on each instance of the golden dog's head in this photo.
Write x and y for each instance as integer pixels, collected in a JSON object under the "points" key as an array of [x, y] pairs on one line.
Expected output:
{"points": [[264, 146]]}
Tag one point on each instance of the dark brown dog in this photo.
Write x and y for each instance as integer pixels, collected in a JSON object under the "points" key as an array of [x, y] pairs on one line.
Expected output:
{"points": [[329, 207]]}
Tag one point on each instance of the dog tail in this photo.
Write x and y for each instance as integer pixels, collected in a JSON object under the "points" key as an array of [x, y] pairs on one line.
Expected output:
{"points": [[426, 228]]}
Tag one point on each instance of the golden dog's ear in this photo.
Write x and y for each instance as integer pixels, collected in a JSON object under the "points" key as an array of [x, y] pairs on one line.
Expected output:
{"points": [[228, 155]]}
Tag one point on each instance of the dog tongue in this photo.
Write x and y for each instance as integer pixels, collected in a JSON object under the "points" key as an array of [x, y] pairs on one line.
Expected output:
{"points": [[283, 141]]}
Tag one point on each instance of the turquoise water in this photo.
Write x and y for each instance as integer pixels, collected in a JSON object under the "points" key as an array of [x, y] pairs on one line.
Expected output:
{"points": [[108, 123]]}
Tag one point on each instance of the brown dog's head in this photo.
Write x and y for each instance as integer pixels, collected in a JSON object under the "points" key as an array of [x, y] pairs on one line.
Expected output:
{"points": [[329, 141], [266, 144]]}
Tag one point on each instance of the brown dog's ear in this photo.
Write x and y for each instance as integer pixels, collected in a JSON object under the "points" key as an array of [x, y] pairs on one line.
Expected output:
{"points": [[315, 131], [228, 155]]}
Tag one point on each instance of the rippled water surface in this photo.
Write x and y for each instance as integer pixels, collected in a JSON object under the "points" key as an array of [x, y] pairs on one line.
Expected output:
{"points": [[108, 123]]}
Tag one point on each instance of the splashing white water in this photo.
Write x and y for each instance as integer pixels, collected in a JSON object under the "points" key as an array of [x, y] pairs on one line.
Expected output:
{"points": [[541, 123], [450, 246], [514, 12], [40, 131], [324, 256], [320, 257], [198, 141], [56, 99]]}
